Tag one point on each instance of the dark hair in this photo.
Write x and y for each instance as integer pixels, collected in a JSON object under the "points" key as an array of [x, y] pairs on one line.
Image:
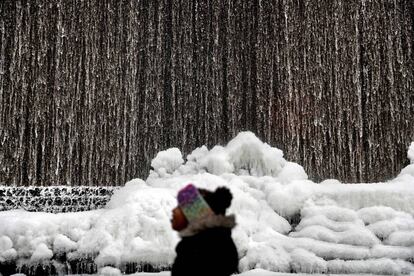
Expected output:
{"points": [[219, 200]]}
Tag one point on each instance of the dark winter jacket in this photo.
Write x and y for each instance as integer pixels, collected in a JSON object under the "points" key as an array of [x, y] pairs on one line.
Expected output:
{"points": [[207, 248]]}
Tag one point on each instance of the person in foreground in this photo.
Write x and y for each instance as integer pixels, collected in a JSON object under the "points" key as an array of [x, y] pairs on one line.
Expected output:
{"points": [[206, 246]]}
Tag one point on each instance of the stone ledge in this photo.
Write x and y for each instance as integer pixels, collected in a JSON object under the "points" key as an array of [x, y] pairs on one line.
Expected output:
{"points": [[79, 266], [55, 199]]}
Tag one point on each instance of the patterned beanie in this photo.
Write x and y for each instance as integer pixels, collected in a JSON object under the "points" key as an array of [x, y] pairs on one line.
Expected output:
{"points": [[192, 203]]}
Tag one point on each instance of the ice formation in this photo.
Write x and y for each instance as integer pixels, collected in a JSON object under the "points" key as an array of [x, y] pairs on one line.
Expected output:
{"points": [[342, 228]]}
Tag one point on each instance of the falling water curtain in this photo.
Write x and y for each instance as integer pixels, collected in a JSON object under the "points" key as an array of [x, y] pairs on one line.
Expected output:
{"points": [[91, 90]]}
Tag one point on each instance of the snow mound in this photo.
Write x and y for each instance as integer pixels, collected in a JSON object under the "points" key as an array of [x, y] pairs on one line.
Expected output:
{"points": [[410, 153], [167, 161], [248, 153], [41, 253], [401, 238], [322, 220], [265, 257], [63, 244], [382, 229], [379, 266], [284, 221], [328, 251], [333, 224], [357, 236], [304, 261], [332, 212], [5, 243], [109, 271], [393, 252], [408, 172], [244, 155], [374, 214]]}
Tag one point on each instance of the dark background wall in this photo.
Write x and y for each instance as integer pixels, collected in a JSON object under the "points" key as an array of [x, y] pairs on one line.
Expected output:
{"points": [[91, 90]]}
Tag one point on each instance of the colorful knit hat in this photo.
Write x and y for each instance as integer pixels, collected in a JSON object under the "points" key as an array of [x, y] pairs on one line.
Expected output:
{"points": [[192, 203]]}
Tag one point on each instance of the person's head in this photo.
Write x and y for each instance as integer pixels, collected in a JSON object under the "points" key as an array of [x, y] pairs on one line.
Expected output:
{"points": [[194, 204]]}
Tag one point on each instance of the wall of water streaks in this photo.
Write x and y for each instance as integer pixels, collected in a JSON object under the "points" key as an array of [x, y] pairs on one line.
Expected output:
{"points": [[91, 90]]}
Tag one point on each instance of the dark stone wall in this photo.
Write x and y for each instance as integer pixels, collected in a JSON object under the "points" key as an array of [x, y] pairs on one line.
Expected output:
{"points": [[54, 199]]}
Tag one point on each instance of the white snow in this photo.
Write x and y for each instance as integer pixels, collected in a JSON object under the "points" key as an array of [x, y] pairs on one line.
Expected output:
{"points": [[333, 224], [374, 214], [327, 250], [328, 223], [378, 266], [41, 253], [410, 153], [332, 212], [401, 238], [357, 236], [244, 155], [261, 255], [290, 172], [167, 161], [384, 228], [8, 255], [5, 243], [63, 244], [109, 271], [285, 222], [407, 171], [248, 153], [307, 262], [394, 252]]}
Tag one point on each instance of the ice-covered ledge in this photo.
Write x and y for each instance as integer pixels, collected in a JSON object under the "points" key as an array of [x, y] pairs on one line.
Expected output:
{"points": [[55, 199]]}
